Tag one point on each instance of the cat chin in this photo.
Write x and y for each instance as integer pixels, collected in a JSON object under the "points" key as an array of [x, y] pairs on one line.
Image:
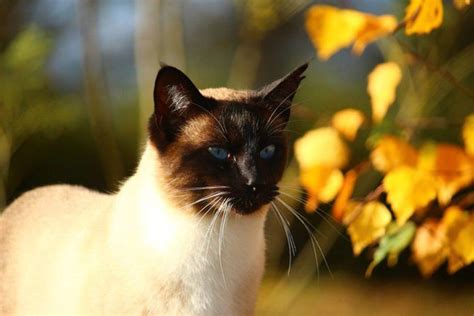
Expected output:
{"points": [[263, 209]]}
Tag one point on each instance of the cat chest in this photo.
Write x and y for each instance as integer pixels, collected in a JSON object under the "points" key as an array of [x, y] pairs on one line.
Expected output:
{"points": [[216, 277], [196, 290]]}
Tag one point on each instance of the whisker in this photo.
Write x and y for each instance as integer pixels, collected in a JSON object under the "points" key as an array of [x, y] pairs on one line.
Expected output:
{"points": [[302, 218], [205, 198], [313, 240], [297, 189], [209, 205], [208, 234], [271, 119], [225, 215], [321, 213], [206, 188], [310, 234], [287, 223], [271, 133], [289, 237]]}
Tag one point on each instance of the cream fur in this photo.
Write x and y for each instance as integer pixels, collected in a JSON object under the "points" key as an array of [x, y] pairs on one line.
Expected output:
{"points": [[68, 250]]}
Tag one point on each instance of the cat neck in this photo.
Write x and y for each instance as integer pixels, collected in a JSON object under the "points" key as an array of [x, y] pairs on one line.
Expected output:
{"points": [[177, 259]]}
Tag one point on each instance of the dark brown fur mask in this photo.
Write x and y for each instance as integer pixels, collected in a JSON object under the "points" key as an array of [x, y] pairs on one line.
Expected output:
{"points": [[222, 145]]}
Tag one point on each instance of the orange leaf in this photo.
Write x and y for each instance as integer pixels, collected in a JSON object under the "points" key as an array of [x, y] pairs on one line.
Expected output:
{"points": [[422, 16], [339, 206], [391, 152], [408, 189], [348, 122], [331, 29], [451, 167], [369, 225], [382, 87]]}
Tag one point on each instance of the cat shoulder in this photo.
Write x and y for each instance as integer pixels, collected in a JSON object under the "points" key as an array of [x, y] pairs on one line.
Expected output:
{"points": [[48, 197]]}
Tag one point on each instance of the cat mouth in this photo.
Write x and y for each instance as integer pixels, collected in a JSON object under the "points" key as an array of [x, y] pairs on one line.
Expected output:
{"points": [[240, 201], [250, 203]]}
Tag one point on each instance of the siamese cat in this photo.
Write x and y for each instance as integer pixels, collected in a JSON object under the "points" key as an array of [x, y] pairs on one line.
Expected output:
{"points": [[183, 236]]}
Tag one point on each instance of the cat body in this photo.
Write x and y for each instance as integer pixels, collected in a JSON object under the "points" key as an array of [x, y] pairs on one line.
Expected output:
{"points": [[183, 236], [129, 253]]}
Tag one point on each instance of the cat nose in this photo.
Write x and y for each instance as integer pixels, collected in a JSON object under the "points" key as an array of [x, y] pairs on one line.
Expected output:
{"points": [[249, 174], [251, 185]]}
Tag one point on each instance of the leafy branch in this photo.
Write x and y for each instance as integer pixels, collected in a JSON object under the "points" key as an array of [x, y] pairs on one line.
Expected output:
{"points": [[425, 198]]}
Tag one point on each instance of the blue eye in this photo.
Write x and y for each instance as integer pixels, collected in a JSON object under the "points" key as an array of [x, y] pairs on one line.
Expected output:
{"points": [[267, 152], [218, 152]]}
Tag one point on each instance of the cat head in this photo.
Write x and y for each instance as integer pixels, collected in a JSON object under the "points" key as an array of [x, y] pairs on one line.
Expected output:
{"points": [[221, 146]]}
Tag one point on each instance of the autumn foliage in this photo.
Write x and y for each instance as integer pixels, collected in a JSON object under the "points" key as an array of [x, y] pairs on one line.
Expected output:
{"points": [[423, 199]]}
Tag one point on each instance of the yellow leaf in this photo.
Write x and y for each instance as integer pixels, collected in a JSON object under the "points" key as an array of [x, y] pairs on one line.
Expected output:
{"points": [[454, 219], [331, 29], [382, 86], [464, 243], [332, 186], [321, 147], [322, 185], [375, 27], [429, 247], [461, 4], [339, 206], [391, 152], [369, 225], [408, 189], [320, 154], [437, 240], [451, 167], [347, 122], [422, 16], [468, 134]]}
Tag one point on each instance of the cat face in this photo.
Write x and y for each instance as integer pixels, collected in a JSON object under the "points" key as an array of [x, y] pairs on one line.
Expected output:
{"points": [[220, 145]]}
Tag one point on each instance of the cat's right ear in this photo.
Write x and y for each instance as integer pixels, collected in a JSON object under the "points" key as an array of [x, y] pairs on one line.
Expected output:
{"points": [[175, 96], [176, 100]]}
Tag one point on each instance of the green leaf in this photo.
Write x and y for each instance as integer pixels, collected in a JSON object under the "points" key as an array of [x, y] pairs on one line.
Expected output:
{"points": [[392, 244]]}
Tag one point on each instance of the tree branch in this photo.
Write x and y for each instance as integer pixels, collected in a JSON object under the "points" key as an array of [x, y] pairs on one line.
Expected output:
{"points": [[437, 69]]}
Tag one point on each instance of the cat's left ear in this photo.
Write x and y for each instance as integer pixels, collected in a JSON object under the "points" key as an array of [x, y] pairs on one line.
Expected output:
{"points": [[278, 95]]}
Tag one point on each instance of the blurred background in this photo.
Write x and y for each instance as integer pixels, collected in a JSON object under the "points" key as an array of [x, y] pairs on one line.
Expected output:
{"points": [[76, 81]]}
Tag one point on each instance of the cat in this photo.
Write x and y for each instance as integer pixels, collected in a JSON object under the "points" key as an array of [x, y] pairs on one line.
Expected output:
{"points": [[183, 236]]}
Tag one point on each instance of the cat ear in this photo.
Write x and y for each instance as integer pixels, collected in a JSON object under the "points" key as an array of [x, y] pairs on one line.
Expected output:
{"points": [[278, 95], [175, 96]]}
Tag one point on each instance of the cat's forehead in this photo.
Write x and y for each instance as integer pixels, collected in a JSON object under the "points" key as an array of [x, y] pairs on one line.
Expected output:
{"points": [[226, 94], [230, 121], [239, 109]]}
